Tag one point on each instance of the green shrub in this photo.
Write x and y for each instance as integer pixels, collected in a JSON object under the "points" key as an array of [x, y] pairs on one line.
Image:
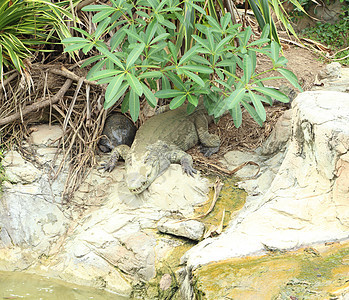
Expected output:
{"points": [[336, 36], [25, 24], [145, 52]]}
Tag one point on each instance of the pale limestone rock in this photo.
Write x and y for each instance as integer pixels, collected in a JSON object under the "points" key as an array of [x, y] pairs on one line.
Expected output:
{"points": [[307, 201], [191, 229], [165, 282], [235, 158], [46, 135], [19, 170], [279, 136]]}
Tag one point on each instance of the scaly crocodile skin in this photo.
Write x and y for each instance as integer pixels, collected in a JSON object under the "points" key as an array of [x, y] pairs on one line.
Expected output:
{"points": [[162, 140]]}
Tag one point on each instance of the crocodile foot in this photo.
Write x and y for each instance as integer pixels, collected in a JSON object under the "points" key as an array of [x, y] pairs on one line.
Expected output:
{"points": [[107, 166], [208, 151]]}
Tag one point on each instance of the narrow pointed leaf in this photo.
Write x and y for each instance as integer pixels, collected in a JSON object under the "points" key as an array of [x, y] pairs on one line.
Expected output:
{"points": [[258, 106], [134, 84], [177, 101], [112, 57], [113, 87], [117, 96], [149, 95], [194, 77], [273, 93], [135, 53], [292, 78], [133, 105], [168, 93], [236, 113]]}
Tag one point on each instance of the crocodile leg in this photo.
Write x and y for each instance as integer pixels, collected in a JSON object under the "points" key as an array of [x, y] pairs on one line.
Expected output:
{"points": [[209, 142], [176, 156], [119, 151]]}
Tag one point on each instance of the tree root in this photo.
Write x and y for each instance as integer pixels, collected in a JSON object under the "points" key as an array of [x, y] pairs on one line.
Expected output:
{"points": [[37, 105]]}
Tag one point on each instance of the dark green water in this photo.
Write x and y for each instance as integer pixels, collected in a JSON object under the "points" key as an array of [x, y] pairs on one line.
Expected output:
{"points": [[27, 286]]}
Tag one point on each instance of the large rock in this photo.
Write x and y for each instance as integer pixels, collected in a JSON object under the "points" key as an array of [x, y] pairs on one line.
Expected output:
{"points": [[308, 200], [106, 238]]}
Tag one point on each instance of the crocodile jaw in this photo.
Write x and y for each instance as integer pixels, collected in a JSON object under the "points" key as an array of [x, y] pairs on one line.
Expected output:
{"points": [[141, 177]]}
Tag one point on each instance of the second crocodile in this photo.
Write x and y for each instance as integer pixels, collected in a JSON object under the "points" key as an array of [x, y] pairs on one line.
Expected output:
{"points": [[162, 140]]}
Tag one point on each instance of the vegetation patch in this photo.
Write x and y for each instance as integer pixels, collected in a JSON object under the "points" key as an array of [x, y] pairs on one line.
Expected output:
{"points": [[335, 36]]}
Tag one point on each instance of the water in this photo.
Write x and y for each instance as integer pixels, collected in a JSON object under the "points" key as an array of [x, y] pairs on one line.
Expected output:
{"points": [[27, 286]]}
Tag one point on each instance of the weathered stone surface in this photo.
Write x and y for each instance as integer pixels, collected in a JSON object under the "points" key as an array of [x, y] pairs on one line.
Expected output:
{"points": [[46, 135], [279, 136], [106, 239], [19, 170], [190, 229], [308, 200], [332, 78]]}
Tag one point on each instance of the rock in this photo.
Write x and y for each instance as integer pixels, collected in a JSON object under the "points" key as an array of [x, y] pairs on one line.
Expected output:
{"points": [[107, 239], [165, 282], [235, 158], [280, 135], [330, 72], [333, 78], [46, 135], [191, 229], [308, 200], [19, 170]]}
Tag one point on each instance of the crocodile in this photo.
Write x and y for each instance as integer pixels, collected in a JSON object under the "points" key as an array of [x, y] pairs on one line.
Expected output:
{"points": [[118, 130], [162, 140]]}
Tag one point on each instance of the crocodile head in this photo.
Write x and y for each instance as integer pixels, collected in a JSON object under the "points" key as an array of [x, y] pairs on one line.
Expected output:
{"points": [[141, 173]]}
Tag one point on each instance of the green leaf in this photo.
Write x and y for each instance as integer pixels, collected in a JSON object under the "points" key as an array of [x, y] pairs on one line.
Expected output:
{"points": [[188, 55], [236, 113], [122, 89], [168, 93], [91, 60], [235, 98], [194, 77], [135, 53], [193, 100], [117, 39], [112, 57], [177, 81], [177, 101], [135, 84], [104, 73], [275, 50], [173, 51], [74, 47], [101, 27], [74, 40], [125, 102], [96, 8], [165, 83], [273, 93], [160, 37], [102, 15], [114, 87], [95, 69], [247, 68], [253, 113], [258, 106], [199, 69], [149, 95], [200, 60], [133, 104], [151, 74], [133, 34], [292, 78]]}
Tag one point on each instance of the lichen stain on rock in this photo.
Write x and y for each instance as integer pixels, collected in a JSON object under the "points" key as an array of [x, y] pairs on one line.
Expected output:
{"points": [[321, 272], [167, 266], [231, 199]]}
